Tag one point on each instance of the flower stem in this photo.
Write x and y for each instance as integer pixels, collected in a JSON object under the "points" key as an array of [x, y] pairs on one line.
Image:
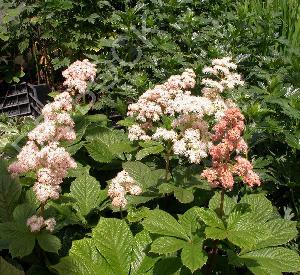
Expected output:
{"points": [[42, 209], [214, 250], [221, 209], [167, 158]]}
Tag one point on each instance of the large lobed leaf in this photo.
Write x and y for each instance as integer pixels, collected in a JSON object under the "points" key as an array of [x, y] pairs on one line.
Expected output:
{"points": [[109, 145], [143, 175], [193, 256], [272, 260], [141, 263], [21, 241], [86, 190], [166, 245], [113, 239], [83, 258], [161, 222], [8, 269], [10, 191]]}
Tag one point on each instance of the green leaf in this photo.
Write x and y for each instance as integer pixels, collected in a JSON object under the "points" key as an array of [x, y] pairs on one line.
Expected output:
{"points": [[193, 256], [190, 221], [209, 217], [141, 263], [166, 245], [166, 188], [161, 222], [149, 151], [8, 269], [109, 145], [246, 232], [48, 242], [282, 231], [143, 175], [10, 192], [113, 239], [14, 232], [83, 258], [271, 259], [86, 190], [22, 212], [215, 233], [74, 148], [261, 207], [183, 195], [126, 122], [292, 140], [167, 266], [99, 151]]}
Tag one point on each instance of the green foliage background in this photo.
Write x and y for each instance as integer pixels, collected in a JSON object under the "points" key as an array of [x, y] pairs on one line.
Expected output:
{"points": [[135, 45]]}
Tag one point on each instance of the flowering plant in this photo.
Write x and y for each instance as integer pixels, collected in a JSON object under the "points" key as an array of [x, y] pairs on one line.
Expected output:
{"points": [[177, 143]]}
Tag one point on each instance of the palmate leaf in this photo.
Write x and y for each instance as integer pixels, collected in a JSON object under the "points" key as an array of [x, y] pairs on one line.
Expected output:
{"points": [[161, 222], [143, 175], [83, 258], [86, 190], [193, 256], [113, 239], [272, 260], [190, 221], [8, 269], [183, 195], [166, 245], [48, 242], [21, 240], [141, 263], [17, 230], [109, 145], [261, 208], [167, 266], [210, 218], [149, 151], [10, 191], [246, 233], [282, 231]]}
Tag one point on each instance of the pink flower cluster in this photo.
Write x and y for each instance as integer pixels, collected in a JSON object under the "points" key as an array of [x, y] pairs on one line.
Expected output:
{"points": [[121, 185], [229, 141], [36, 223], [42, 152], [78, 74]]}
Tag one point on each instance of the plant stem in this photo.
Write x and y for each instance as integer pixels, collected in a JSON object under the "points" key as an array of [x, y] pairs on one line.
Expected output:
{"points": [[216, 242], [167, 165], [221, 209], [42, 209]]}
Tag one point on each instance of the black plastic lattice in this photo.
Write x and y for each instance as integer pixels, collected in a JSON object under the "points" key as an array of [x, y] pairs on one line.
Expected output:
{"points": [[23, 99]]}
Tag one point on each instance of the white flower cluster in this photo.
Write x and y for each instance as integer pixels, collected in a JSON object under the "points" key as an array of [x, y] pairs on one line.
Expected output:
{"points": [[172, 99], [192, 146], [222, 77], [121, 185], [189, 135], [36, 223], [78, 74]]}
